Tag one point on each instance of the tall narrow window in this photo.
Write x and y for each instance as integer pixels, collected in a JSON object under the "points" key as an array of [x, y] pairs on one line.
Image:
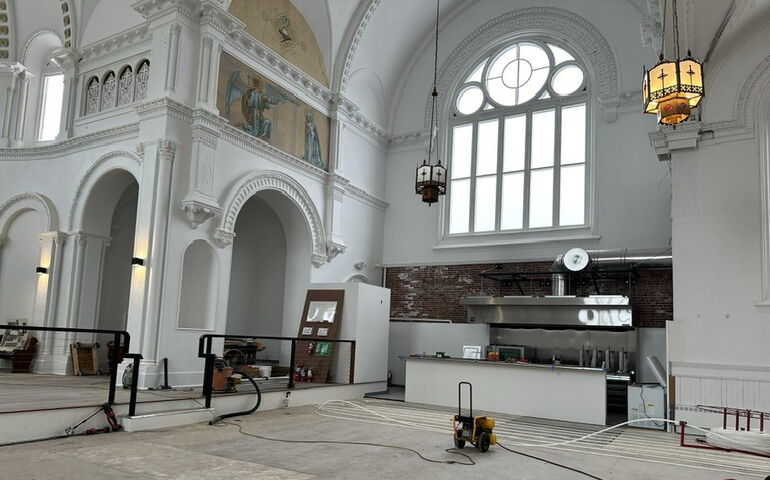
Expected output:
{"points": [[126, 87], [92, 96], [50, 113], [518, 142], [142, 79], [108, 92]]}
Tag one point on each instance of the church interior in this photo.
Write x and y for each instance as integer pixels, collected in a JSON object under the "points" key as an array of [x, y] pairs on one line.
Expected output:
{"points": [[340, 239]]}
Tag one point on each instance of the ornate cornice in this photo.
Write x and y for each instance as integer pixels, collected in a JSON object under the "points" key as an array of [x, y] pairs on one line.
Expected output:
{"points": [[252, 144], [272, 180], [120, 41], [352, 116], [589, 42], [408, 139], [200, 209], [361, 195], [154, 9], [164, 106], [71, 145], [34, 200]]}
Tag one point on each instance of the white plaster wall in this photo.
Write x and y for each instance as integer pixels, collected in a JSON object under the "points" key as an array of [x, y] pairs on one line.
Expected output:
{"points": [[200, 277], [632, 189], [19, 255], [106, 18], [718, 340]]}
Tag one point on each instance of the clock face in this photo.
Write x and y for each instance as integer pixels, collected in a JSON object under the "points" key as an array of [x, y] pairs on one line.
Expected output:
{"points": [[576, 259]]}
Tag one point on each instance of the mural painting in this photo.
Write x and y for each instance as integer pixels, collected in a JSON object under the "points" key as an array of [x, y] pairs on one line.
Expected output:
{"points": [[256, 105]]}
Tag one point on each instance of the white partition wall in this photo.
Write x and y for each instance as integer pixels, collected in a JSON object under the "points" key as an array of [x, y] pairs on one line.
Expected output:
{"points": [[365, 319]]}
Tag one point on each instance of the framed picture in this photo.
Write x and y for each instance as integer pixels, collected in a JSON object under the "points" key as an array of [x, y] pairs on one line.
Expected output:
{"points": [[323, 349], [307, 330], [322, 332], [321, 311]]}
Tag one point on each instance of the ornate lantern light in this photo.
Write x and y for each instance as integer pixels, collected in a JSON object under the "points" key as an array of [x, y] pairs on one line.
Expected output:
{"points": [[671, 89], [430, 180]]}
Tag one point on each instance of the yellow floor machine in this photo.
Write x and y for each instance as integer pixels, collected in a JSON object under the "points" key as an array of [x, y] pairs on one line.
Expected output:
{"points": [[475, 430]]}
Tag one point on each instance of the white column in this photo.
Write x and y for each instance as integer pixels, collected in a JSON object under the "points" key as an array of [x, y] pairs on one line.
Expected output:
{"points": [[68, 61], [173, 57], [21, 108], [149, 244], [10, 96], [204, 73]]}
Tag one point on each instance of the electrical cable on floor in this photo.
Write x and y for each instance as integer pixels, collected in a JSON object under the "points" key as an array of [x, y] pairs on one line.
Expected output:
{"points": [[245, 412], [548, 461], [644, 406], [368, 444]]}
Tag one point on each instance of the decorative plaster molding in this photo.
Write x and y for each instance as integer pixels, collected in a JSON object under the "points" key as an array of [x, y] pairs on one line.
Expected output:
{"points": [[333, 249], [253, 144], [132, 37], [164, 106], [34, 200], [273, 180], [352, 116], [353, 36], [418, 137], [199, 210], [22, 56], [596, 51], [685, 136], [79, 190], [166, 149], [71, 145], [361, 195], [155, 9]]}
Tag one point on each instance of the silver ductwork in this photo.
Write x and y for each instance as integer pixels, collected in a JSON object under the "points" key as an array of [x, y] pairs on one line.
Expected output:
{"points": [[577, 260]]}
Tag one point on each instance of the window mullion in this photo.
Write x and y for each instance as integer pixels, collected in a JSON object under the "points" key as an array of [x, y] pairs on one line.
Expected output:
{"points": [[557, 168], [527, 165], [472, 199], [500, 153]]}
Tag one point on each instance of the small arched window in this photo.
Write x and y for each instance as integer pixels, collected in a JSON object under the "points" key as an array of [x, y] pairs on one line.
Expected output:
{"points": [[518, 149], [92, 96], [51, 105], [108, 91], [126, 87], [142, 79]]}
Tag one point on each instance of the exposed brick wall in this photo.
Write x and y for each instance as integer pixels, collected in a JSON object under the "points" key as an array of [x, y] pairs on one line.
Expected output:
{"points": [[435, 291]]}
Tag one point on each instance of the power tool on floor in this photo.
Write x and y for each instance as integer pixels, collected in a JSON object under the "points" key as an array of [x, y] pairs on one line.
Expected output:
{"points": [[475, 430]]}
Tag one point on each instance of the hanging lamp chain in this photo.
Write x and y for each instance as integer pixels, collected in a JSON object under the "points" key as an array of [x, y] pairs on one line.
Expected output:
{"points": [[663, 32], [434, 93], [676, 28]]}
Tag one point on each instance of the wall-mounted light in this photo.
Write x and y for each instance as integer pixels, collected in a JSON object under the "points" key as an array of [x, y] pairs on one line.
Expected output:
{"points": [[137, 262], [41, 270]]}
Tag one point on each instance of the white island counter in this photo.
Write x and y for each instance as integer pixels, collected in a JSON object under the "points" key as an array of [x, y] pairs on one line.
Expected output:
{"points": [[574, 394]]}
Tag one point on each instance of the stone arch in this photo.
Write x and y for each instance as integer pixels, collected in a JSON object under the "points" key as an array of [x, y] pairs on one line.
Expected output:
{"points": [[355, 31], [117, 160], [272, 180], [28, 201], [580, 34]]}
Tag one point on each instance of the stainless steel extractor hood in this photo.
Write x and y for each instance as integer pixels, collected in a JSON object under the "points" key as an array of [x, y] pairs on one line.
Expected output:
{"points": [[598, 311]]}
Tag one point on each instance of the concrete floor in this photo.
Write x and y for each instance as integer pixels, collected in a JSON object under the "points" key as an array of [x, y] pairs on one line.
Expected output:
{"points": [[215, 452]]}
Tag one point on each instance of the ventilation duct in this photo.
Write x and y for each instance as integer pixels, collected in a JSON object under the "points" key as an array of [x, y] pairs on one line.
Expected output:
{"points": [[577, 260]]}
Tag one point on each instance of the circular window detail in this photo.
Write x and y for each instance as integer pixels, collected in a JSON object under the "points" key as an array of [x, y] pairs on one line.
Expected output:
{"points": [[517, 74], [469, 100], [567, 79]]}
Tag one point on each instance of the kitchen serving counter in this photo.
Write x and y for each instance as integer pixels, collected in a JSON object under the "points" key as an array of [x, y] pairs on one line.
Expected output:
{"points": [[574, 394]]}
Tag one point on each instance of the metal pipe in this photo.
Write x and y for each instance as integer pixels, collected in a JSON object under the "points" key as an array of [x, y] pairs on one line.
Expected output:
{"points": [[598, 260]]}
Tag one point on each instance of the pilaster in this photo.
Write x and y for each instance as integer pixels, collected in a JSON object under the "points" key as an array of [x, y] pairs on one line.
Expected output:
{"points": [[68, 59], [199, 204]]}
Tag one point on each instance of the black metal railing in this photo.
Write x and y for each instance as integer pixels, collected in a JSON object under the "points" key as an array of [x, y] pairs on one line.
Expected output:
{"points": [[118, 347], [205, 347]]}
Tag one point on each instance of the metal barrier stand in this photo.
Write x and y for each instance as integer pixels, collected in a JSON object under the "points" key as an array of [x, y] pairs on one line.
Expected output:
{"points": [[114, 361], [205, 346]]}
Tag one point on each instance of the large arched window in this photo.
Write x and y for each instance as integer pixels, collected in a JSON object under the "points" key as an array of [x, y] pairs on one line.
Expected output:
{"points": [[518, 142]]}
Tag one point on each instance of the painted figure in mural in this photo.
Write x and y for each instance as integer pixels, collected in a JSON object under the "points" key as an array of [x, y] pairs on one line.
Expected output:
{"points": [[255, 99], [312, 144]]}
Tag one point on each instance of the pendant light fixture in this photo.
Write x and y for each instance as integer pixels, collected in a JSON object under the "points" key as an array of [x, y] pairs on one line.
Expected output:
{"points": [[671, 89], [430, 181]]}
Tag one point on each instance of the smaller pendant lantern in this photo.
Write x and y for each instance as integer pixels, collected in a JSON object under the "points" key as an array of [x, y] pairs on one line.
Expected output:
{"points": [[671, 89], [430, 180]]}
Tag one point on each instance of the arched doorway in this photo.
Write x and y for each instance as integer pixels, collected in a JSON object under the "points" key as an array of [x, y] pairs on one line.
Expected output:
{"points": [[107, 243], [270, 270]]}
